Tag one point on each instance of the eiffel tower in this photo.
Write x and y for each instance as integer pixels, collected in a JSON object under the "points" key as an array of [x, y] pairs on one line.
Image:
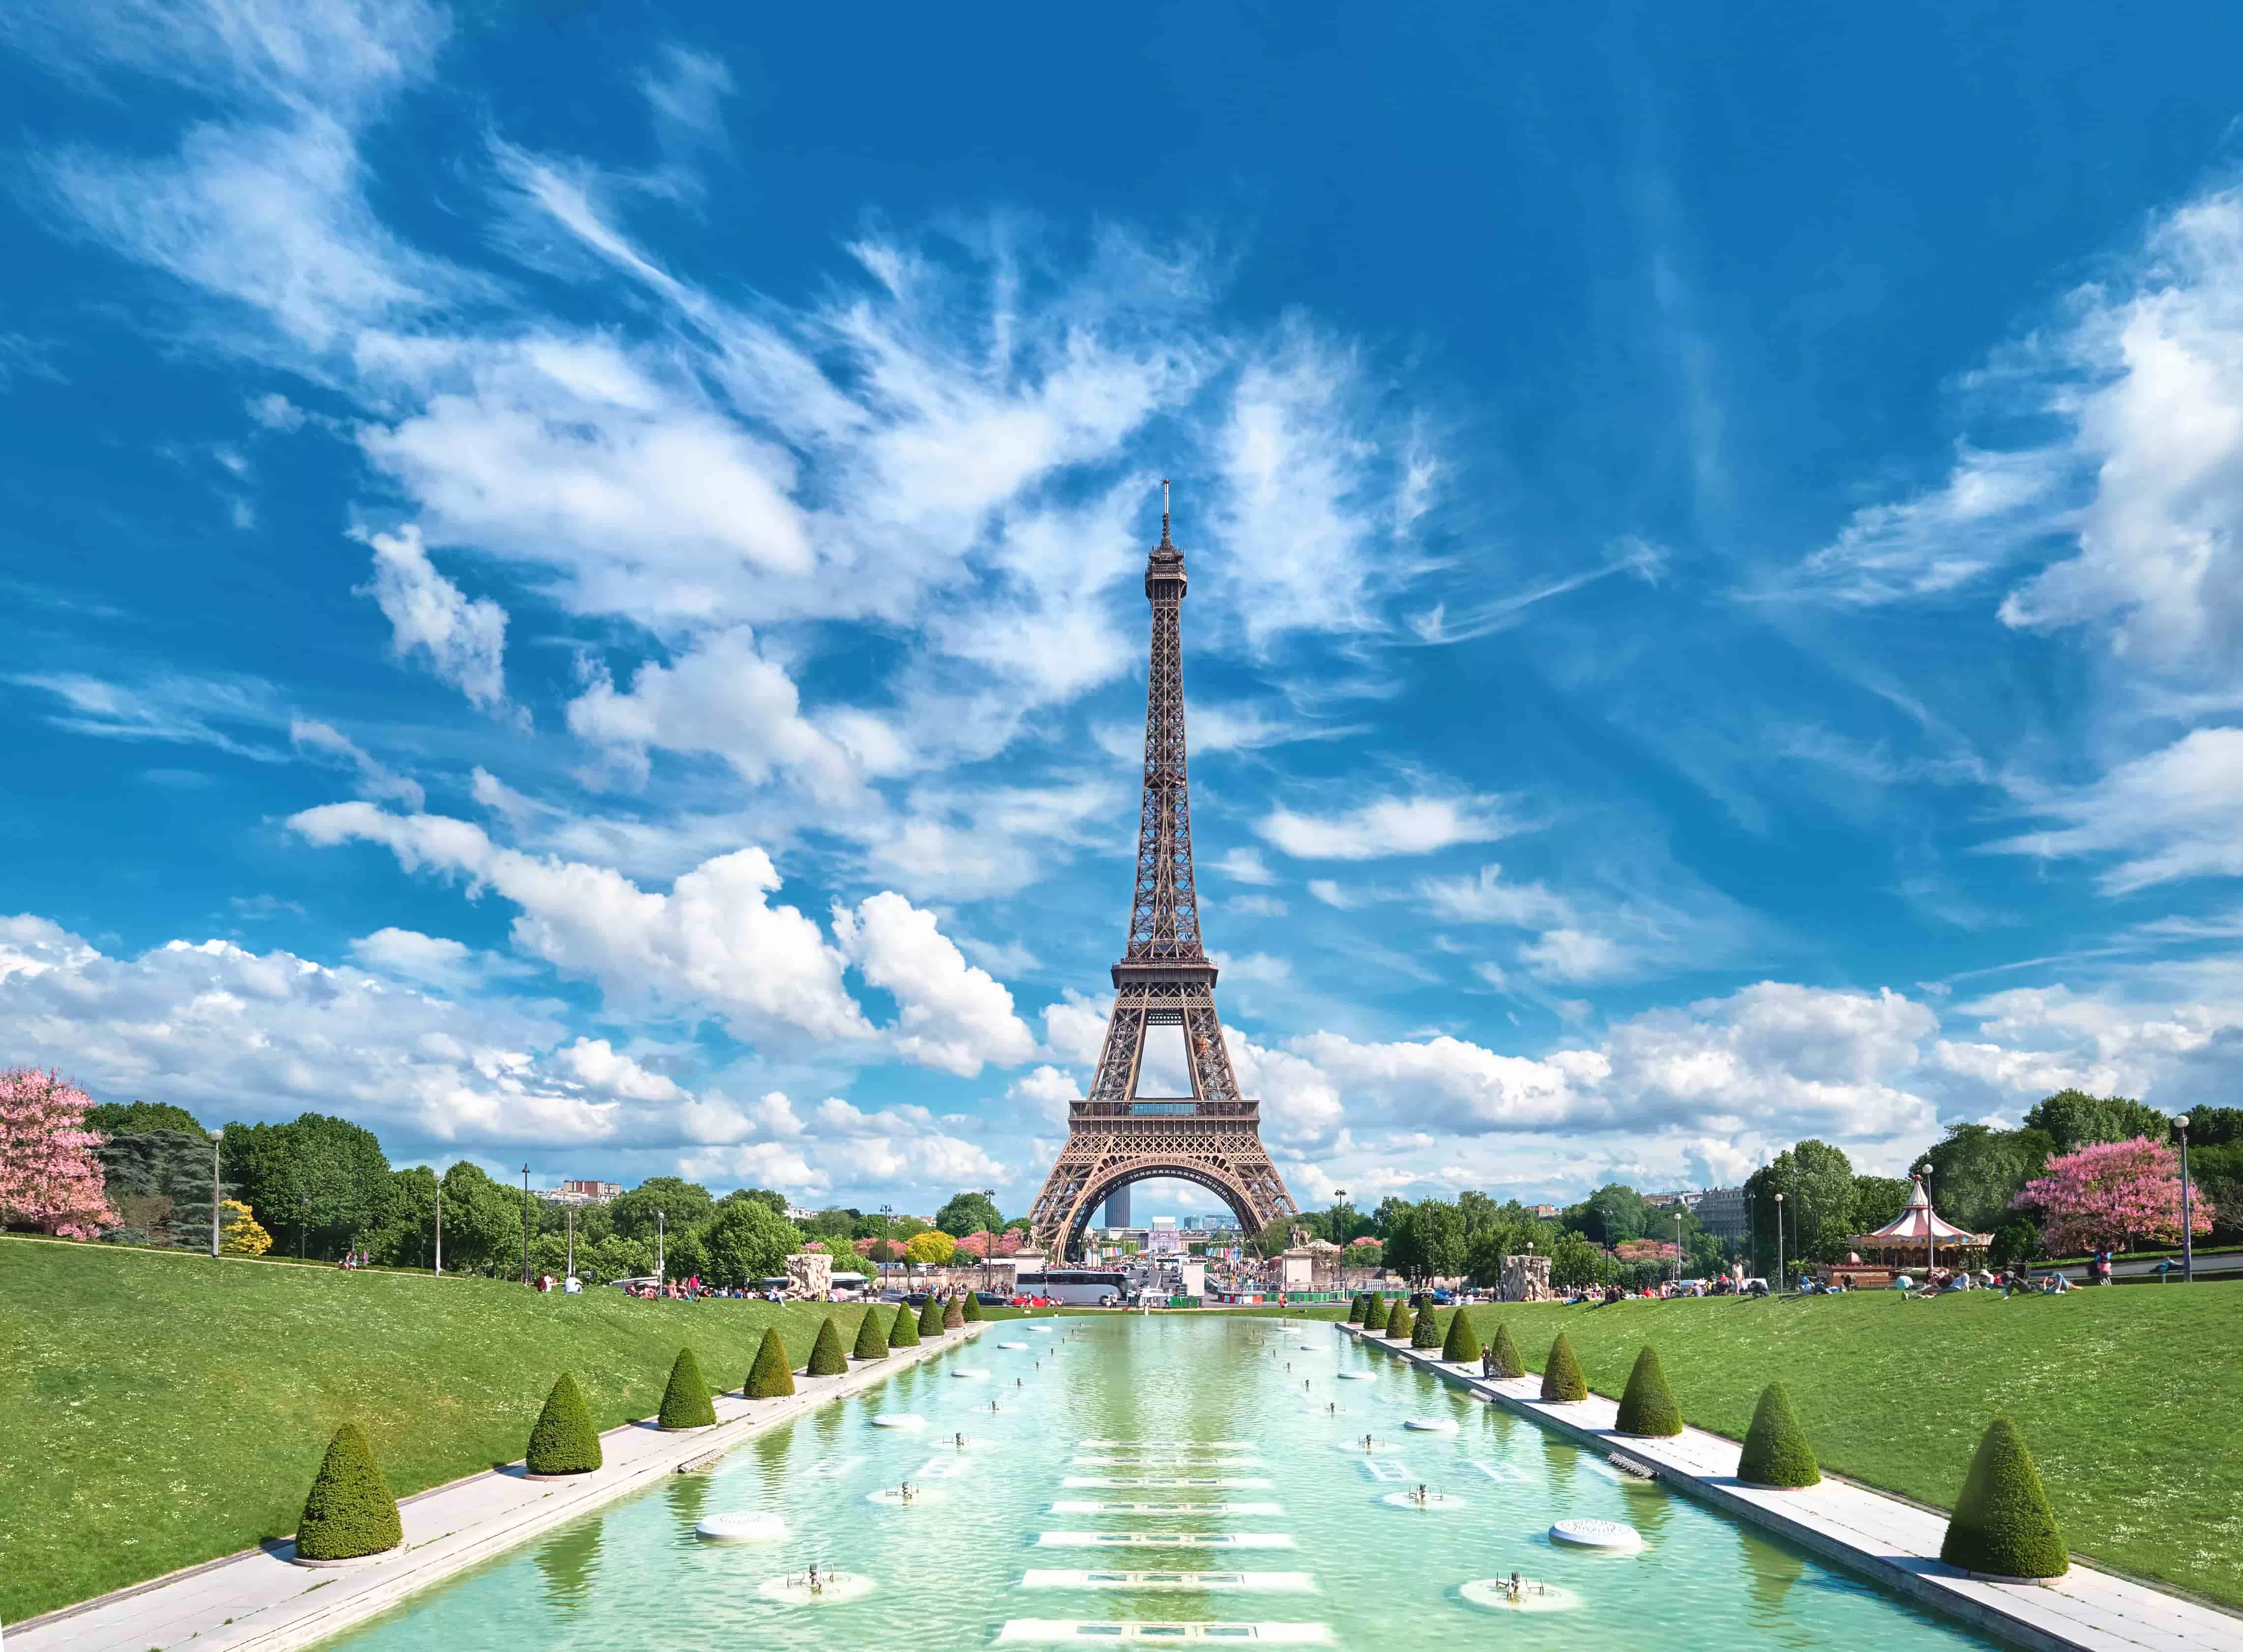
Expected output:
{"points": [[1114, 1138]]}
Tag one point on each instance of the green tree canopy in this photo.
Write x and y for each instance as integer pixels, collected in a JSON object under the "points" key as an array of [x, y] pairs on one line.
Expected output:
{"points": [[1612, 1215], [746, 1241], [136, 1118], [1817, 1181], [1978, 1171], [1427, 1241], [683, 1204], [965, 1213], [2072, 1119], [326, 1176]]}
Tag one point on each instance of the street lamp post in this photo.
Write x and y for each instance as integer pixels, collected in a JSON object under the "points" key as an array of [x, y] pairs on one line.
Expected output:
{"points": [[661, 1273], [2187, 1239], [525, 1224], [1779, 1244], [572, 1243], [1677, 1245], [1930, 1233], [1339, 1267], [440, 1227], [989, 1242], [219, 1136]]}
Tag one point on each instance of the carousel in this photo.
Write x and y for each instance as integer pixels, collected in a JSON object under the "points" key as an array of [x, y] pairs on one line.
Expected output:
{"points": [[1914, 1242]]}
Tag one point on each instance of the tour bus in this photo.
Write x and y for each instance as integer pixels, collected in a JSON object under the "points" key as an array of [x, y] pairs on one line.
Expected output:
{"points": [[1077, 1287]]}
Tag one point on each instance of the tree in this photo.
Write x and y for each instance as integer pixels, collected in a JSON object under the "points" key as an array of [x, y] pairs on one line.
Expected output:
{"points": [[114, 1119], [771, 1377], [482, 1222], [239, 1234], [1355, 1307], [1646, 1406], [871, 1344], [1573, 1260], [930, 1316], [1426, 1331], [1462, 1345], [1878, 1200], [1427, 1242], [1400, 1321], [826, 1357], [1817, 1181], [159, 1181], [954, 1314], [746, 1241], [1276, 1238], [1977, 1172], [48, 1177], [931, 1248], [1612, 1215], [325, 1180], [1776, 1450], [685, 1400], [904, 1333], [2072, 1119], [683, 1204], [1503, 1354], [350, 1511], [2003, 1526], [972, 1308], [965, 1213], [1562, 1380], [2109, 1194], [562, 1441]]}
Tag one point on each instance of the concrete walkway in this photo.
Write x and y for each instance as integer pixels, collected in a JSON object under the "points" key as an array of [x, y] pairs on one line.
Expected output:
{"points": [[1894, 1542], [262, 1601]]}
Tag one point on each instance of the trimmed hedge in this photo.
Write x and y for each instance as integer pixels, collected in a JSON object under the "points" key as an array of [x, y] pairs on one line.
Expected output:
{"points": [[1355, 1307], [773, 1375], [1506, 1351], [930, 1318], [685, 1402], [904, 1333], [954, 1314], [826, 1358], [972, 1309], [1647, 1407], [350, 1511], [1561, 1374], [1462, 1345], [1398, 1323], [1374, 1310], [1426, 1333], [2003, 1525], [1776, 1448], [871, 1342], [562, 1439]]}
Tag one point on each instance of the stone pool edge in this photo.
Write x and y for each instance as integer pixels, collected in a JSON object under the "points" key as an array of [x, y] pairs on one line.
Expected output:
{"points": [[258, 1600], [1894, 1541]]}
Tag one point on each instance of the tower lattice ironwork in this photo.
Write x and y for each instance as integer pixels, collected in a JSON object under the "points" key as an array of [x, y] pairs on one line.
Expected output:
{"points": [[1164, 979]]}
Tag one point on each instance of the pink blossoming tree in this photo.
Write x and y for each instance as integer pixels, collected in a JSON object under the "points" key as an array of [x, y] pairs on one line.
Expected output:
{"points": [[2111, 1193], [48, 1177]]}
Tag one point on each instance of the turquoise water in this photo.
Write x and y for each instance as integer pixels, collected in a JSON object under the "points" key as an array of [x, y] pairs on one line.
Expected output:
{"points": [[1238, 1407]]}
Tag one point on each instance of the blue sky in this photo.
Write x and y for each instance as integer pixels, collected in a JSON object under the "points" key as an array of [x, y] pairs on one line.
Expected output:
{"points": [[571, 574]]}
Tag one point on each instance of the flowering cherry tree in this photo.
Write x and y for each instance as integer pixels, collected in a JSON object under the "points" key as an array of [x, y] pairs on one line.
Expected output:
{"points": [[2108, 1193], [48, 1177]]}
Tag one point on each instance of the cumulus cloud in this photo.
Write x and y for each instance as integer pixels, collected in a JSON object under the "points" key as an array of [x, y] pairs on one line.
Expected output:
{"points": [[714, 944], [464, 639], [1385, 827], [952, 1015]]}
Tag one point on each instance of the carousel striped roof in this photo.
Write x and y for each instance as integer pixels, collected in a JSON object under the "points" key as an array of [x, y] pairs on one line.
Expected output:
{"points": [[1918, 1221]]}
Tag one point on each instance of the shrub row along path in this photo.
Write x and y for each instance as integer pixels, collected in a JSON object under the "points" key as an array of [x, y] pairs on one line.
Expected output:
{"points": [[262, 1601], [1895, 1542]]}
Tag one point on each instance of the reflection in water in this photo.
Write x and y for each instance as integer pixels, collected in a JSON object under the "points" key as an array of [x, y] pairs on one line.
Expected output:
{"points": [[1770, 1570], [1563, 1461], [687, 1495], [569, 1561]]}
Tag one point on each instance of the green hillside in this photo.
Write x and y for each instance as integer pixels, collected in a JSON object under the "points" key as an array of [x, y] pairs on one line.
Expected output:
{"points": [[158, 1409], [2128, 1398]]}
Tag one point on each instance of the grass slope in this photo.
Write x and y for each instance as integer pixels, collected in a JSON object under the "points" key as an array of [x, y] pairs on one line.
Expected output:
{"points": [[2127, 1397], [158, 1409]]}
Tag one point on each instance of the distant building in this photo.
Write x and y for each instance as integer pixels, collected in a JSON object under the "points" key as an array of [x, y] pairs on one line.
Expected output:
{"points": [[1721, 1212], [1545, 1212], [796, 1213], [1688, 1200], [583, 1193]]}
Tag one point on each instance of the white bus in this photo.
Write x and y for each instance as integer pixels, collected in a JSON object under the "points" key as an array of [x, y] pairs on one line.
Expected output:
{"points": [[1077, 1287]]}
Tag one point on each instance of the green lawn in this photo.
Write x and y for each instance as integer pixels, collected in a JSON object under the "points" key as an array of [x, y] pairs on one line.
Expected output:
{"points": [[2130, 1399], [158, 1409]]}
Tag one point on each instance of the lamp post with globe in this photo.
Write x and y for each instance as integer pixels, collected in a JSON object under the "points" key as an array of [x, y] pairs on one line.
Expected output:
{"points": [[1779, 1244], [2187, 1239]]}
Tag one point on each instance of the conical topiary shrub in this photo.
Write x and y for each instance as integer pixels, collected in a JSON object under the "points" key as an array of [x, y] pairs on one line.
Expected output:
{"points": [[972, 1308], [1561, 1374], [773, 1375], [1462, 1345], [1426, 1332], [350, 1511], [905, 1332], [1776, 1452], [1398, 1323], [826, 1358], [562, 1441], [1355, 1309], [1503, 1354], [930, 1318], [685, 1402], [954, 1314], [1374, 1314], [1646, 1406], [872, 1341], [2003, 1525]]}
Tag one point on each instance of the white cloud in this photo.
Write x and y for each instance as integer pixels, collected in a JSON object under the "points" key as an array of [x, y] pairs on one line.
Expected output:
{"points": [[1485, 898], [1327, 891], [1389, 826], [599, 1066], [464, 639], [375, 781], [1047, 1091], [1256, 906], [433, 960], [2171, 814], [1074, 1030], [185, 711], [1991, 507], [1570, 955], [1242, 864], [952, 1015], [714, 943]]}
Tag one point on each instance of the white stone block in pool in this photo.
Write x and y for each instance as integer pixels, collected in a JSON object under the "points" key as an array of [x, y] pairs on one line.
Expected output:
{"points": [[741, 1528], [1609, 1535]]}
